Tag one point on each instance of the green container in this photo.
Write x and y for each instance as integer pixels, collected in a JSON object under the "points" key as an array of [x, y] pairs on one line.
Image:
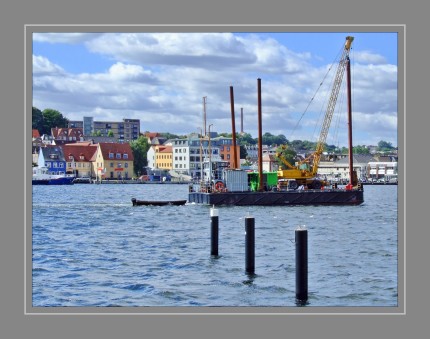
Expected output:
{"points": [[270, 179]]}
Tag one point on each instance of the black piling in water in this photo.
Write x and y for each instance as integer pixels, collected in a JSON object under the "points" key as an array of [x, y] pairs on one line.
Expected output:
{"points": [[301, 264], [249, 245], [214, 231]]}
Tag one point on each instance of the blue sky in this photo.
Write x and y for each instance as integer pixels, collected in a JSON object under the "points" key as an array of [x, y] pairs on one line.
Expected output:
{"points": [[161, 78]]}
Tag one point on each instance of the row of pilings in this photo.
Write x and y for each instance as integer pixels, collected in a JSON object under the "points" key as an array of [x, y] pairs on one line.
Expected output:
{"points": [[301, 243]]}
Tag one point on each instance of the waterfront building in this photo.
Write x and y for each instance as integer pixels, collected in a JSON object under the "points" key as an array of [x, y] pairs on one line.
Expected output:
{"points": [[163, 157], [79, 159], [52, 157], [385, 170], [181, 156], [337, 167], [113, 161]]}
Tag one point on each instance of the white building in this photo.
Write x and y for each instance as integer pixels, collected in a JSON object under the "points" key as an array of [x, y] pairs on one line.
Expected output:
{"points": [[150, 156], [383, 169], [340, 168]]}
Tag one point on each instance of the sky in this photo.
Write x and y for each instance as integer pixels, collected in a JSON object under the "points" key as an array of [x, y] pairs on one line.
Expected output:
{"points": [[161, 79]]}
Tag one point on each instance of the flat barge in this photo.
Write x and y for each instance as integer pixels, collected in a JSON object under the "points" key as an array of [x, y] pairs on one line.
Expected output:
{"points": [[280, 198]]}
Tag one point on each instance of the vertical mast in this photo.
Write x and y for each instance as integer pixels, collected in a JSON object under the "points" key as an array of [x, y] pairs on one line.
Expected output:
{"points": [[241, 120], [260, 139], [348, 83], [233, 127], [204, 115]]}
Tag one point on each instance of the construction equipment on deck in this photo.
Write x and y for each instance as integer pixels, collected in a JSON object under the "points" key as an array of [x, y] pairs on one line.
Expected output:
{"points": [[305, 172]]}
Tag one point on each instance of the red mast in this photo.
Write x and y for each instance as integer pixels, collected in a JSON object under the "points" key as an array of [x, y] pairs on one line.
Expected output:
{"points": [[348, 83]]}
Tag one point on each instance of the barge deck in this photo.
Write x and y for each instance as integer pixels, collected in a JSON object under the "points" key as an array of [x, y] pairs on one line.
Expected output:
{"points": [[279, 198]]}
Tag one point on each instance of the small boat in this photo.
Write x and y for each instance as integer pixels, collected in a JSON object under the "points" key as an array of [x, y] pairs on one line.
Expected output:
{"points": [[41, 176], [157, 202]]}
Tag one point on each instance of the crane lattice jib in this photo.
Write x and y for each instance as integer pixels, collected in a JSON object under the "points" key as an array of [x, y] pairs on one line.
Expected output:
{"points": [[332, 103]]}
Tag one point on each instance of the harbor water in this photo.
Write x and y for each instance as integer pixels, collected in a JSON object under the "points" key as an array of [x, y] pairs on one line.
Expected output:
{"points": [[91, 247]]}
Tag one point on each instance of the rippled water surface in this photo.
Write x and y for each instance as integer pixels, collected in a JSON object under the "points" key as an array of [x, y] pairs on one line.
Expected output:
{"points": [[91, 247]]}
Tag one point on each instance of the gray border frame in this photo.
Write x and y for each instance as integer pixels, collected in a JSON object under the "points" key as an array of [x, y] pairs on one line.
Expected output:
{"points": [[350, 29]]}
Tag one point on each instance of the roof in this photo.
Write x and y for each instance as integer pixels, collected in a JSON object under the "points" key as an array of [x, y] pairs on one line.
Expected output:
{"points": [[108, 147], [269, 157], [35, 133], [52, 152], [69, 132], [76, 150], [357, 158], [165, 149]]}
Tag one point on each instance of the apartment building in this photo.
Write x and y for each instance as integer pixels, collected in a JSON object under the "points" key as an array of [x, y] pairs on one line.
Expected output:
{"points": [[123, 131]]}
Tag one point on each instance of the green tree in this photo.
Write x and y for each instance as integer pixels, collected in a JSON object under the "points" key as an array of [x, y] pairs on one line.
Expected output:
{"points": [[51, 119], [288, 153], [243, 152], [243, 139], [140, 148], [168, 135], [384, 146], [96, 133], [37, 119], [110, 133], [360, 149]]}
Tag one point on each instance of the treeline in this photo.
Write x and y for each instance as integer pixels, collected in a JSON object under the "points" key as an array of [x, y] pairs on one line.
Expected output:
{"points": [[304, 145], [49, 118]]}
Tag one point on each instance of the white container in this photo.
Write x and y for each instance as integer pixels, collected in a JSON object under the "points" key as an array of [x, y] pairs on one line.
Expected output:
{"points": [[236, 180]]}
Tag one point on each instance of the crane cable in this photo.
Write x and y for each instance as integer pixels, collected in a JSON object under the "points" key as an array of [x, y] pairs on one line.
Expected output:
{"points": [[319, 87]]}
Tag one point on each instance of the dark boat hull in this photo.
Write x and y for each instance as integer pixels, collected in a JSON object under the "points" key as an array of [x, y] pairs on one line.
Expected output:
{"points": [[136, 202], [59, 181], [284, 198]]}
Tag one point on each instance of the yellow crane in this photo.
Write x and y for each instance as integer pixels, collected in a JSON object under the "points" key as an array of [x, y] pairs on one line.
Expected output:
{"points": [[304, 173]]}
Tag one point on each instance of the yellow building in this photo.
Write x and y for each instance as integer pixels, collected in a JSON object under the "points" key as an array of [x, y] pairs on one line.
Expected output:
{"points": [[163, 157], [79, 158], [113, 161]]}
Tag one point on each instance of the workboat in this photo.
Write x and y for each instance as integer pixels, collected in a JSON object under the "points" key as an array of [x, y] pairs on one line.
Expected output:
{"points": [[136, 202], [42, 176], [295, 185]]}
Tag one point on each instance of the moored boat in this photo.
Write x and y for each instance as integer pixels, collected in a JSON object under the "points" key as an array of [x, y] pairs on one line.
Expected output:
{"points": [[136, 202], [41, 176]]}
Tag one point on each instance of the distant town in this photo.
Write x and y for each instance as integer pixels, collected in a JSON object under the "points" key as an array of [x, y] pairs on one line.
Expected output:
{"points": [[118, 150]]}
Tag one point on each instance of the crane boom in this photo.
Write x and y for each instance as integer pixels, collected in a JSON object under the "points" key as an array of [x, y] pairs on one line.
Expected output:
{"points": [[331, 104], [306, 171]]}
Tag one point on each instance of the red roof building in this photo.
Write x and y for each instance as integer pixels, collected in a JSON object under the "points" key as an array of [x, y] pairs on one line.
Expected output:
{"points": [[79, 159], [113, 161]]}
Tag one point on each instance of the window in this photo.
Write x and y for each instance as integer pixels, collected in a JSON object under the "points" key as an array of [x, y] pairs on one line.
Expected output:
{"points": [[111, 164], [110, 155], [126, 165], [125, 156], [118, 155]]}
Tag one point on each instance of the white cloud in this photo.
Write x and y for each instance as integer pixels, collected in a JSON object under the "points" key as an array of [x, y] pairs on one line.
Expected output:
{"points": [[42, 66], [161, 79], [369, 57], [67, 38]]}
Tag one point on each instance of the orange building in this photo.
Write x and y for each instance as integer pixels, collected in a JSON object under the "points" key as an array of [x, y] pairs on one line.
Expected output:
{"points": [[226, 150]]}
